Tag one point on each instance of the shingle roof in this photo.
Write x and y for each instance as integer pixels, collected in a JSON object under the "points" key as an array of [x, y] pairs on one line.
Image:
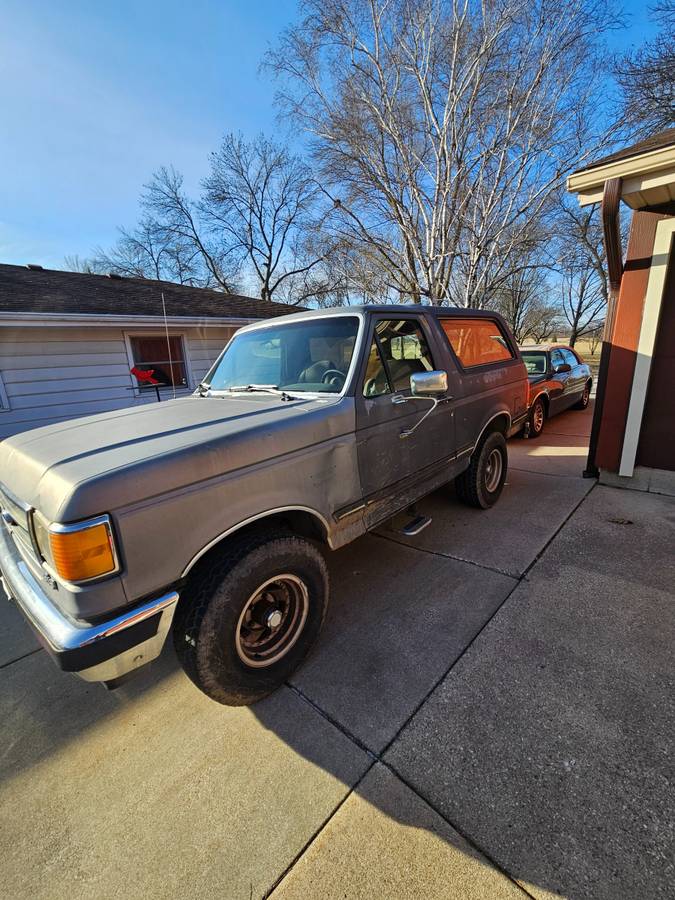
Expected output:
{"points": [[24, 290], [655, 142]]}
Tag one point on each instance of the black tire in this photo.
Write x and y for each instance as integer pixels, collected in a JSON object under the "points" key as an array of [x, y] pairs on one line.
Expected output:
{"points": [[210, 632], [536, 418], [582, 403], [473, 485]]}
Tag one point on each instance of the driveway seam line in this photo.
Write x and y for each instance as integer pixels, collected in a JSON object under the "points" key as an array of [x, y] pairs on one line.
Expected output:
{"points": [[513, 468], [375, 758], [340, 727], [518, 581], [460, 832], [11, 662], [296, 859], [469, 562]]}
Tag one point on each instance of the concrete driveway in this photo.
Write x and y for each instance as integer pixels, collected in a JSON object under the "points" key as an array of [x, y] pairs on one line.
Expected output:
{"points": [[489, 713]]}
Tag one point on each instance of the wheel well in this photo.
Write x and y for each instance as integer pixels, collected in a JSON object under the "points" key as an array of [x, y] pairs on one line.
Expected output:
{"points": [[500, 422], [298, 521], [544, 399]]}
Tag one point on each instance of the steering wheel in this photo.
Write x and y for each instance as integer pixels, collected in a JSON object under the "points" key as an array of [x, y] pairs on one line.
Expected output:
{"points": [[334, 377]]}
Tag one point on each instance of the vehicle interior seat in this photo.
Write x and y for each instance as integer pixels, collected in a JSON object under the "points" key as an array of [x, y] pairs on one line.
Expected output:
{"points": [[314, 373], [536, 366], [402, 369]]}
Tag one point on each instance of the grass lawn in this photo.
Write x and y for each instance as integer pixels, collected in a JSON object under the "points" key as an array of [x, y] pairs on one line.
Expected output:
{"points": [[583, 348]]}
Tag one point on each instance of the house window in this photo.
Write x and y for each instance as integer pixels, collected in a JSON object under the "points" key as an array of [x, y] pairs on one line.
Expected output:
{"points": [[162, 359], [476, 342], [4, 400]]}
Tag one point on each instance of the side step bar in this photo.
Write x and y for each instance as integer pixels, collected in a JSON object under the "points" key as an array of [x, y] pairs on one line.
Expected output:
{"points": [[419, 523]]}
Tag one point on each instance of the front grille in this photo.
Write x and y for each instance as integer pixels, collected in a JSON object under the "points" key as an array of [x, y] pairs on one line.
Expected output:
{"points": [[16, 518]]}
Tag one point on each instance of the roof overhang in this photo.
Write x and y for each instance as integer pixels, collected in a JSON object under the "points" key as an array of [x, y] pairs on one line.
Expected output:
{"points": [[91, 320], [648, 179]]}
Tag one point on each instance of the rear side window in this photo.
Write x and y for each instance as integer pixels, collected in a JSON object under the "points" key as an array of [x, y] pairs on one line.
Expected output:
{"points": [[476, 342], [570, 358]]}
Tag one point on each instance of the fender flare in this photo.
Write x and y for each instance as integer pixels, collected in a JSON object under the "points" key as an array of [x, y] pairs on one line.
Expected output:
{"points": [[268, 513]]}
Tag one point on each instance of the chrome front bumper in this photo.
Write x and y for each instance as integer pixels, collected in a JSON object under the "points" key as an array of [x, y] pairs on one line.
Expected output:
{"points": [[102, 652]]}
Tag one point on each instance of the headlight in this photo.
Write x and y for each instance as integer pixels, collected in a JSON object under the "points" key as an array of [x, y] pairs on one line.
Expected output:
{"points": [[77, 552]]}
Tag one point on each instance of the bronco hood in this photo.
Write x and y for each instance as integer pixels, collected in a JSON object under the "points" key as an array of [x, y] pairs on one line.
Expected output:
{"points": [[88, 466]]}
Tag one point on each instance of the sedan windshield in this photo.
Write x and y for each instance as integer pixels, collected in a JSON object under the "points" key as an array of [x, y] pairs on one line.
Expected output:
{"points": [[311, 356], [535, 361]]}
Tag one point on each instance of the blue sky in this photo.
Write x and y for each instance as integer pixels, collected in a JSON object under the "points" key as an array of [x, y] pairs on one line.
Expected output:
{"points": [[97, 95]]}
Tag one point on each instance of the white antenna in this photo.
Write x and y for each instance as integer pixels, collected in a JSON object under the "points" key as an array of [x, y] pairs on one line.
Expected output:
{"points": [[168, 347]]}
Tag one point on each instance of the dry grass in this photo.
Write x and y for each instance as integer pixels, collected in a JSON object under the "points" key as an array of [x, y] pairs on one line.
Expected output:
{"points": [[583, 348]]}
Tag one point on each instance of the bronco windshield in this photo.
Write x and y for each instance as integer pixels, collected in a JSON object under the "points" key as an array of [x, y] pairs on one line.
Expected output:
{"points": [[310, 356]]}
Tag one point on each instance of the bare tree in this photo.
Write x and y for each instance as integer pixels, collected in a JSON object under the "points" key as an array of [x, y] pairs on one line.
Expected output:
{"points": [[580, 260], [440, 127], [150, 250], [595, 338], [647, 75], [262, 200], [181, 226], [524, 301], [544, 326], [76, 263]]}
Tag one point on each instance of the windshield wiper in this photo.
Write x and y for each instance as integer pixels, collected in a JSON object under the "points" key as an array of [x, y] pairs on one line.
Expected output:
{"points": [[243, 388]]}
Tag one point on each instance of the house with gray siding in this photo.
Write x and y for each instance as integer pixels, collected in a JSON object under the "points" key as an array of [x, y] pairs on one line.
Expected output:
{"points": [[69, 341]]}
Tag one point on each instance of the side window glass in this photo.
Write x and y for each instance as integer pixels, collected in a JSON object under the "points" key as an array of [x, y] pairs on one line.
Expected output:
{"points": [[570, 358], [376, 383], [476, 342], [556, 359], [405, 350]]}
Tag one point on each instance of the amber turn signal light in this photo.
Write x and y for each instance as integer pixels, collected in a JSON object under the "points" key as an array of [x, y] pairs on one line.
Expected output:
{"points": [[82, 553]]}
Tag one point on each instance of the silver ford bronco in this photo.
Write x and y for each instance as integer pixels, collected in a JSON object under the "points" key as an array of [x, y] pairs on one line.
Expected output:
{"points": [[208, 516]]}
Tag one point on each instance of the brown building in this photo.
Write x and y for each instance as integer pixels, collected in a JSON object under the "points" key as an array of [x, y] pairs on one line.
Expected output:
{"points": [[633, 437]]}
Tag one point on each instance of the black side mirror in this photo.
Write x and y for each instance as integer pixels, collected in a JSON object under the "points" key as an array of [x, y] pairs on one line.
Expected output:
{"points": [[561, 368]]}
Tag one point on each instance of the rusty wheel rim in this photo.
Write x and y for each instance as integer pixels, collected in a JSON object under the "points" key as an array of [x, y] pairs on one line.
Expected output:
{"points": [[272, 620], [493, 471]]}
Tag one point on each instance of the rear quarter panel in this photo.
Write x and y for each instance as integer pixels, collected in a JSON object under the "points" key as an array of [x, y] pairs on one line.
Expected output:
{"points": [[483, 392]]}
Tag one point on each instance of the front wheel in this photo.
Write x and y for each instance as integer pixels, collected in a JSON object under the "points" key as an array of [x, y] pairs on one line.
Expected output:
{"points": [[481, 484], [249, 619]]}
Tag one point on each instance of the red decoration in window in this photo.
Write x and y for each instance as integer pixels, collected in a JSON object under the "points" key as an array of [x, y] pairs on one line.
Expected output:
{"points": [[144, 376]]}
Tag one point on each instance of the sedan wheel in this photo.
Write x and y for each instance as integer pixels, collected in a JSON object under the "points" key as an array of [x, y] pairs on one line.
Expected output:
{"points": [[537, 418], [585, 397]]}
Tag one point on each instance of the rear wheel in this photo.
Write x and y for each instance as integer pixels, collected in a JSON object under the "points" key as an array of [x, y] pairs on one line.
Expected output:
{"points": [[536, 418], [249, 619], [582, 403], [481, 484]]}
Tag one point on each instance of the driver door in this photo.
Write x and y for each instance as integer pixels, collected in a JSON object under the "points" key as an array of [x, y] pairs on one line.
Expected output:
{"points": [[385, 408]]}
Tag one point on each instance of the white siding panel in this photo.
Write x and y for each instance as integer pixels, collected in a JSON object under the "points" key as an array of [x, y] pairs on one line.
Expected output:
{"points": [[75, 360], [46, 373], [73, 398], [204, 351], [53, 348], [53, 374], [65, 385]]}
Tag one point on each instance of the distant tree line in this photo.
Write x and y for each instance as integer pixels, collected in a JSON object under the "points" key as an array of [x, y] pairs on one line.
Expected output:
{"points": [[439, 134]]}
